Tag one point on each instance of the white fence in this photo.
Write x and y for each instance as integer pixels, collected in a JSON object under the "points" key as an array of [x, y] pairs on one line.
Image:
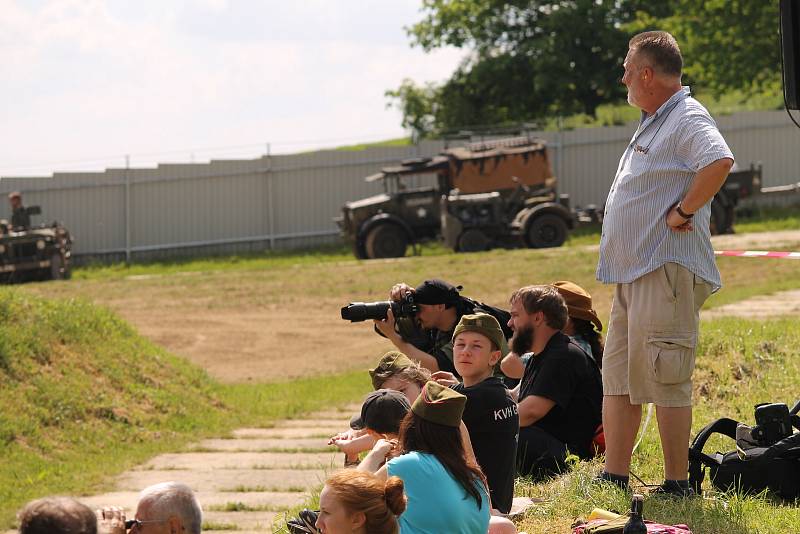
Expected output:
{"points": [[289, 201]]}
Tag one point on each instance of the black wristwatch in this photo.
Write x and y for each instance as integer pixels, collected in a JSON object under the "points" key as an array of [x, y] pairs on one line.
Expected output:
{"points": [[687, 216]]}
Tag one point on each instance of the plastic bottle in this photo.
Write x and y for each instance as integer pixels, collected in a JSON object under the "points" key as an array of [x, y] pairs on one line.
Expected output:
{"points": [[635, 524]]}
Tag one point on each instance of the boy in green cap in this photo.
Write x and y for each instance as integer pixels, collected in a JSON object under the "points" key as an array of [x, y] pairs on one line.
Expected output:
{"points": [[490, 415]]}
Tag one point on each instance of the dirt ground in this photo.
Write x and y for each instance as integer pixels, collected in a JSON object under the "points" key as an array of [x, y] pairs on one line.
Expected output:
{"points": [[262, 325]]}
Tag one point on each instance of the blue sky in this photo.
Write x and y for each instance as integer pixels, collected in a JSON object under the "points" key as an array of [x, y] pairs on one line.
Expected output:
{"points": [[86, 82]]}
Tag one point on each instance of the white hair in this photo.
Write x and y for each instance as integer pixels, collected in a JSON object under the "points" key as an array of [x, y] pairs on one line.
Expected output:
{"points": [[174, 499]]}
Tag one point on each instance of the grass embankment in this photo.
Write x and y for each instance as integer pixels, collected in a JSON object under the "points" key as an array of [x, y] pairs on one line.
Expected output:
{"points": [[83, 397]]}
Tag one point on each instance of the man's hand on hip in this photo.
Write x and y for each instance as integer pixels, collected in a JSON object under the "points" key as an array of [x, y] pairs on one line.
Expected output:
{"points": [[677, 222]]}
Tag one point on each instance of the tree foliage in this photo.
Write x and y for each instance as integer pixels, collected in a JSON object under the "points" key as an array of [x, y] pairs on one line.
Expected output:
{"points": [[533, 59]]}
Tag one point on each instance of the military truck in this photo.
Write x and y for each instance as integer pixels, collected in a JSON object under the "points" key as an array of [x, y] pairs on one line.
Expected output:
{"points": [[34, 253], [513, 175]]}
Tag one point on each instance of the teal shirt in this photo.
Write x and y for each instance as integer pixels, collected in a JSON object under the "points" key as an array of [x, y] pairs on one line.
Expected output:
{"points": [[437, 503]]}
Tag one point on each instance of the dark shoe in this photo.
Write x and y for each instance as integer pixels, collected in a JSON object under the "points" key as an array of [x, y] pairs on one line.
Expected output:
{"points": [[608, 478], [673, 490]]}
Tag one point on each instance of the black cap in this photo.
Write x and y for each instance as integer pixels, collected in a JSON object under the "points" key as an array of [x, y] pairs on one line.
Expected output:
{"points": [[436, 291], [382, 412]]}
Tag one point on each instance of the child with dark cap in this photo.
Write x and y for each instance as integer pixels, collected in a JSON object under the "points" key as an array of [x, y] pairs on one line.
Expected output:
{"points": [[446, 489], [491, 414], [393, 371]]}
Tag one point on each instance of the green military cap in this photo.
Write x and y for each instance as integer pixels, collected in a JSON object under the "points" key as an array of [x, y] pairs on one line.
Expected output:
{"points": [[439, 404], [391, 362], [482, 323]]}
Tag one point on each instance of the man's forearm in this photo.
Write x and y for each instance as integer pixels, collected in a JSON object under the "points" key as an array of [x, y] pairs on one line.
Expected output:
{"points": [[705, 185]]}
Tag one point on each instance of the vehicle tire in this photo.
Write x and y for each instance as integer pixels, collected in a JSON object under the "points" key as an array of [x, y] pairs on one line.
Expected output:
{"points": [[57, 271], [473, 240], [359, 251], [546, 230], [386, 241], [721, 219]]}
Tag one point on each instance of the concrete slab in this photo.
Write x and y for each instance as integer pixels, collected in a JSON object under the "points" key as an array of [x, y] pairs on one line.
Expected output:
{"points": [[285, 433], [128, 500], [280, 480], [264, 445], [245, 460], [242, 520]]}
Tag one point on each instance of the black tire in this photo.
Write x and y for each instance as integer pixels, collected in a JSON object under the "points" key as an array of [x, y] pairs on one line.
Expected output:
{"points": [[57, 271], [473, 240], [359, 251], [721, 219], [386, 241], [546, 230]]}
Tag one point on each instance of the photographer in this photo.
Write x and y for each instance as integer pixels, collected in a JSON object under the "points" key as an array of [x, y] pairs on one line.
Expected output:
{"points": [[427, 336]]}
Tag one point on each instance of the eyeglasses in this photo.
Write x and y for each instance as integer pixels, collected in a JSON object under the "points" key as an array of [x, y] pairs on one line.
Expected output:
{"points": [[130, 523]]}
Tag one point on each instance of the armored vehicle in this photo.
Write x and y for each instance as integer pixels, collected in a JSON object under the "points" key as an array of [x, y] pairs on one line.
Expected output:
{"points": [[34, 253], [498, 176]]}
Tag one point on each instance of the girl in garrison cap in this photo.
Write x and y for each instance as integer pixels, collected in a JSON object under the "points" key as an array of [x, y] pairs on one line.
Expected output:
{"points": [[445, 487]]}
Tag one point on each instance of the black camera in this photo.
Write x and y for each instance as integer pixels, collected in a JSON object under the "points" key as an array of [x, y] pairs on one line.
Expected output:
{"points": [[773, 423], [362, 311]]}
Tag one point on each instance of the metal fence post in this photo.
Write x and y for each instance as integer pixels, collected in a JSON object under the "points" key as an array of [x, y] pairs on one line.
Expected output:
{"points": [[270, 202], [128, 209]]}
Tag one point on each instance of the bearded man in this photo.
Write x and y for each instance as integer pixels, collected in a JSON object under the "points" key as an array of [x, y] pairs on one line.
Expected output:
{"points": [[561, 392]]}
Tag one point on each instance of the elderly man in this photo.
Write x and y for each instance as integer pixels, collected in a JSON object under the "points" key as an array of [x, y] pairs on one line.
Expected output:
{"points": [[656, 248], [166, 508], [56, 515]]}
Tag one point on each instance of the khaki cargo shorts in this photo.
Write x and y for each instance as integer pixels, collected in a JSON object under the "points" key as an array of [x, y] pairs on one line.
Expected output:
{"points": [[652, 335]]}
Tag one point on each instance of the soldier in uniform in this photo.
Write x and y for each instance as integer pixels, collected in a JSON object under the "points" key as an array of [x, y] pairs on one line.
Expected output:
{"points": [[19, 215]]}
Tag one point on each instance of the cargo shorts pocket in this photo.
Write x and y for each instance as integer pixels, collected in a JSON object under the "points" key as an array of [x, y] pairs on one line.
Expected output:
{"points": [[671, 356]]}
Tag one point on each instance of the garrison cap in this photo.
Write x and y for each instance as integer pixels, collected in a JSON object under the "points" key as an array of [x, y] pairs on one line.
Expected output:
{"points": [[482, 323], [436, 291], [439, 404], [382, 412], [390, 363], [579, 302]]}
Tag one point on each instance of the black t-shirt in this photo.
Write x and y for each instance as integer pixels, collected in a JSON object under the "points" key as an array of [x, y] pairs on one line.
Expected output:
{"points": [[563, 373], [492, 419]]}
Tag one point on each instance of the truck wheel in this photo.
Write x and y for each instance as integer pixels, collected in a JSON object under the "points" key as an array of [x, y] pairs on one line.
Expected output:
{"points": [[721, 219], [386, 241], [547, 230], [473, 240], [56, 267], [358, 250]]}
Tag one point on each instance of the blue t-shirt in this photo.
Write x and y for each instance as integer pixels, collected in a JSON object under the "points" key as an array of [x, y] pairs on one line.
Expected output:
{"points": [[437, 503]]}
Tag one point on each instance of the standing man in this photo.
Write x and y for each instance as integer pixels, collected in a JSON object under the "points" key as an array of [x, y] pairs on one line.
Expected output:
{"points": [[19, 215], [656, 248]]}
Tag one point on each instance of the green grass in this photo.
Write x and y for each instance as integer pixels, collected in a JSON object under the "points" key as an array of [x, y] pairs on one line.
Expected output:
{"points": [[83, 397], [740, 363], [768, 219]]}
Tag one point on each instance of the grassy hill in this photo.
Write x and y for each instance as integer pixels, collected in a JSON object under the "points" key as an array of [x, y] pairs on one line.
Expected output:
{"points": [[84, 397]]}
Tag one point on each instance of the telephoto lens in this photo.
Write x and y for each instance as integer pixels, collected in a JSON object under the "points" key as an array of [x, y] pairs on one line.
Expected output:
{"points": [[362, 311]]}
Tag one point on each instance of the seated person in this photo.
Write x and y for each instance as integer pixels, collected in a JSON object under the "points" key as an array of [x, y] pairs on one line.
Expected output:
{"points": [[427, 337], [561, 394], [165, 507], [380, 418], [57, 515], [445, 488], [583, 327], [490, 414], [359, 503], [394, 371]]}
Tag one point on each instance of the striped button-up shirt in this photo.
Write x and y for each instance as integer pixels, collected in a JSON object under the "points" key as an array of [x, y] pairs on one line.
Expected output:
{"points": [[654, 173]]}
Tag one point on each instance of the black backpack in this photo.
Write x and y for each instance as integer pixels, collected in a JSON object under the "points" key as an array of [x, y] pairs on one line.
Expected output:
{"points": [[767, 456], [502, 316]]}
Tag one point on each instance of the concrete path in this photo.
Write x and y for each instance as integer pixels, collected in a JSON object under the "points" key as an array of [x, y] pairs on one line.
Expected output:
{"points": [[247, 481]]}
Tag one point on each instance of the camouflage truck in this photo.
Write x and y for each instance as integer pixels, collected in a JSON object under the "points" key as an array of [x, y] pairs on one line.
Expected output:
{"points": [[505, 175], [34, 253]]}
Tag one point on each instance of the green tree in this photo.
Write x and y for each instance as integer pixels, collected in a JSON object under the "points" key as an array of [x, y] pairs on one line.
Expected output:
{"points": [[728, 44], [528, 60]]}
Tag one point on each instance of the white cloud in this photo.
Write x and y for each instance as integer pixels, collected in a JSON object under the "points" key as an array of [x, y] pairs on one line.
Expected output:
{"points": [[91, 78]]}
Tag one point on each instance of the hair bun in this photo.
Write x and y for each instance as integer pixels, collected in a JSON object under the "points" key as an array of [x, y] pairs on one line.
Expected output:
{"points": [[395, 498]]}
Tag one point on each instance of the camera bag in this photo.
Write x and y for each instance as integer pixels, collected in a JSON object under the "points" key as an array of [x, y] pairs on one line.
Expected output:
{"points": [[749, 468]]}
